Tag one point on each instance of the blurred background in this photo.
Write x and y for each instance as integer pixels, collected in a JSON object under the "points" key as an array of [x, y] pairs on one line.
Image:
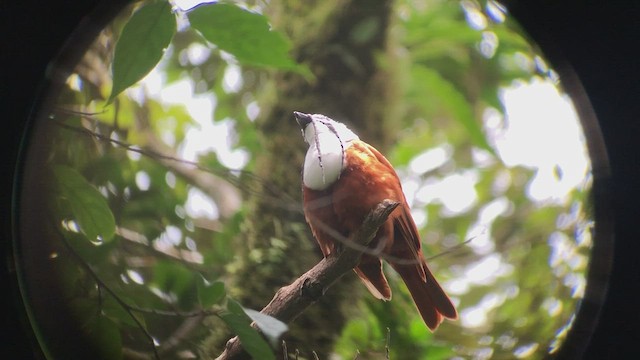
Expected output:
{"points": [[175, 179]]}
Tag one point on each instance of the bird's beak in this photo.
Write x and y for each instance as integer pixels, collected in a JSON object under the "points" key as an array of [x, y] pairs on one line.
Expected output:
{"points": [[302, 119]]}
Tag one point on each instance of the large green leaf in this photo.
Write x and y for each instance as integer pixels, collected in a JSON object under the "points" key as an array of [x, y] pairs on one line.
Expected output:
{"points": [[251, 339], [89, 208], [244, 34], [141, 44], [210, 293]]}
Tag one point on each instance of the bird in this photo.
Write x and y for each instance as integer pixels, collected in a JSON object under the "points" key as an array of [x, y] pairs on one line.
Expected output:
{"points": [[343, 179]]}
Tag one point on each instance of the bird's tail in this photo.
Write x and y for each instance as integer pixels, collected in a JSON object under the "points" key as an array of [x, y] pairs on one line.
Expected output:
{"points": [[432, 302]]}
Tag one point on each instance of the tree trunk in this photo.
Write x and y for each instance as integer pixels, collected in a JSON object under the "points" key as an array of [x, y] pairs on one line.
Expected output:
{"points": [[342, 41]]}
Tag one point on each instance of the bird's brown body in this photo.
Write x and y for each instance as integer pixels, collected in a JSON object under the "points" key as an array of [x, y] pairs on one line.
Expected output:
{"points": [[337, 211]]}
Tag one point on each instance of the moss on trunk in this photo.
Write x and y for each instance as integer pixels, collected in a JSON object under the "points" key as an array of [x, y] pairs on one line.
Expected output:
{"points": [[343, 42]]}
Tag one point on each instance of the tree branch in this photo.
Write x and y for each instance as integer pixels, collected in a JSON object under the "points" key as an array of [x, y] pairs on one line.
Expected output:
{"points": [[217, 184], [223, 193], [291, 300]]}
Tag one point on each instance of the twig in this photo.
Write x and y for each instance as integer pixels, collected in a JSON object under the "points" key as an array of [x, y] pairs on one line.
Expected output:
{"points": [[131, 309], [102, 285], [187, 258], [185, 168], [386, 345], [285, 352], [291, 300], [173, 313], [451, 249]]}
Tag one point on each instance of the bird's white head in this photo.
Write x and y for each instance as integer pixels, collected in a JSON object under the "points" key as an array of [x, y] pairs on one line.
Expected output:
{"points": [[315, 125], [328, 140]]}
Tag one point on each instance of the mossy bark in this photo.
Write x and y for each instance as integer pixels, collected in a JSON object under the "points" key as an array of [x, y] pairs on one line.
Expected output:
{"points": [[343, 43]]}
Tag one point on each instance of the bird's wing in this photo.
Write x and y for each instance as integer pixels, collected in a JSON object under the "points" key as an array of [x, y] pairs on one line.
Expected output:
{"points": [[405, 232]]}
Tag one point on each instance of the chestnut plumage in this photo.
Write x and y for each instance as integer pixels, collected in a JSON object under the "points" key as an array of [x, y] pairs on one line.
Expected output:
{"points": [[344, 178]]}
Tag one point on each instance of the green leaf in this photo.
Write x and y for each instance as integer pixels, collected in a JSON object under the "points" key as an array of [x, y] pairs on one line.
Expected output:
{"points": [[95, 255], [210, 293], [244, 34], [271, 327], [106, 337], [119, 315], [89, 208], [106, 169], [173, 278], [251, 339], [141, 44]]}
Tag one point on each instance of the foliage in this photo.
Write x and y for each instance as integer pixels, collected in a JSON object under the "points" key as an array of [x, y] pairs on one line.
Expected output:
{"points": [[259, 46], [87, 205], [141, 45], [145, 261]]}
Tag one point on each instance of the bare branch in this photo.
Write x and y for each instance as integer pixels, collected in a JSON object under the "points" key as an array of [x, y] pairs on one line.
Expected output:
{"points": [[291, 300]]}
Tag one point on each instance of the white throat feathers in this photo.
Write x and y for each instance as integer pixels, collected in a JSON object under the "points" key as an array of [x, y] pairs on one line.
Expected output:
{"points": [[328, 140]]}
